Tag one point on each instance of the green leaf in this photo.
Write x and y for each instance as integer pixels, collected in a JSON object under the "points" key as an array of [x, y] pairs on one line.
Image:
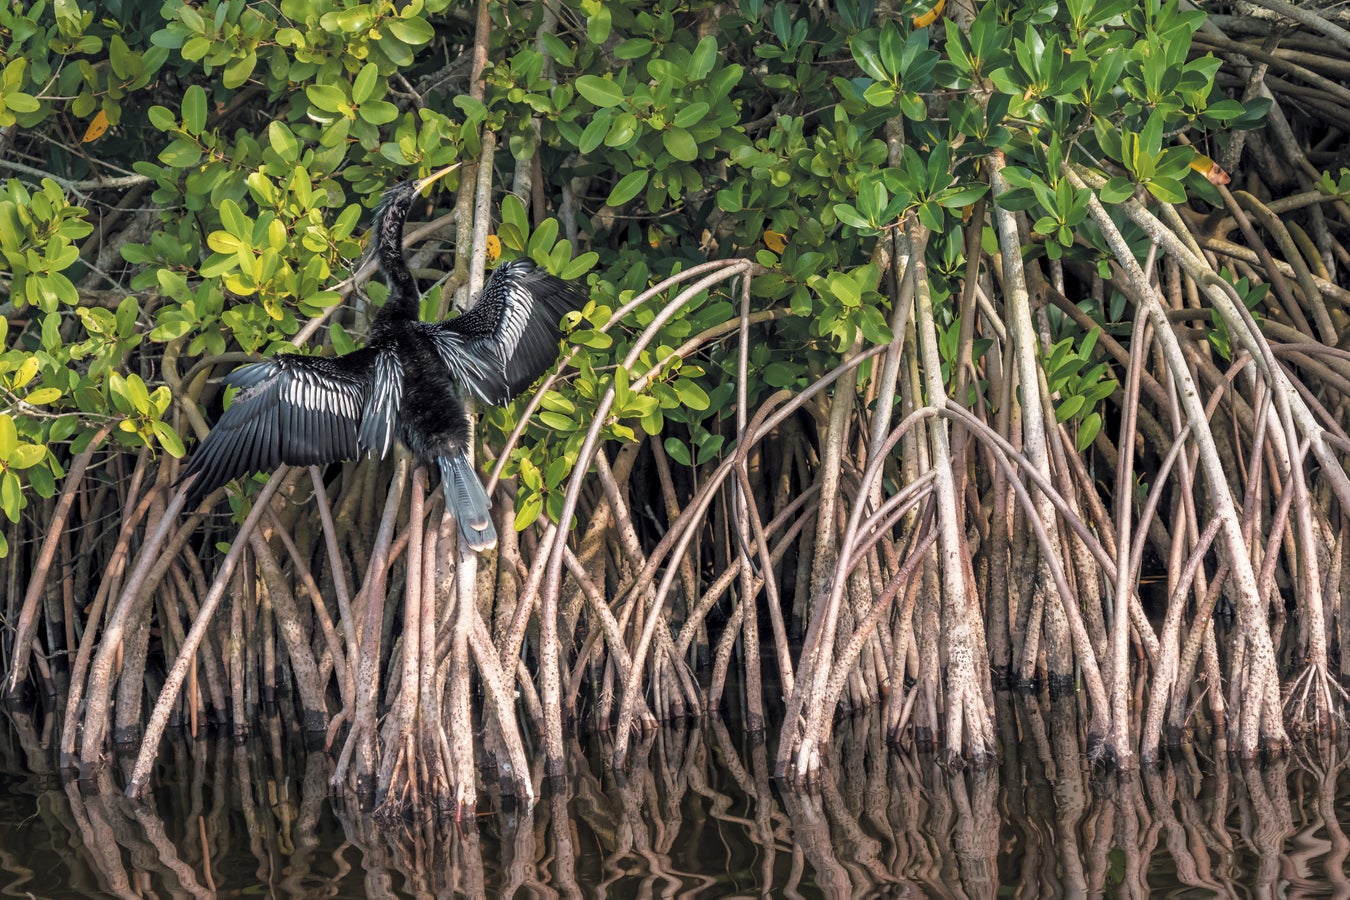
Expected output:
{"points": [[20, 102], [342, 342], [283, 141], [558, 403], [223, 242], [530, 476], [677, 450], [238, 70], [528, 510], [11, 495], [579, 266], [850, 216], [554, 46], [180, 154], [28, 369], [623, 130], [709, 448], [9, 436], [595, 132], [194, 109], [367, 80], [162, 118], [600, 91], [513, 213], [680, 144], [1168, 190], [629, 186], [879, 94], [327, 97], [598, 25], [691, 395], [868, 59], [1068, 408], [44, 484], [234, 220], [171, 329], [139, 396], [958, 197], [913, 107], [691, 115], [25, 456], [632, 48], [780, 375], [702, 59], [1117, 190], [541, 242], [556, 421], [378, 112], [168, 439], [413, 31], [1087, 430], [596, 340], [355, 18]]}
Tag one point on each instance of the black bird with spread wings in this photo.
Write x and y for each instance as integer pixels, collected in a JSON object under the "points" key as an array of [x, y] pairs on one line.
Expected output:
{"points": [[407, 382]]}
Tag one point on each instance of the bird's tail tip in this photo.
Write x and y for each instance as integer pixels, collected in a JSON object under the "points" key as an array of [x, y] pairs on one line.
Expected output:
{"points": [[468, 502], [481, 541]]}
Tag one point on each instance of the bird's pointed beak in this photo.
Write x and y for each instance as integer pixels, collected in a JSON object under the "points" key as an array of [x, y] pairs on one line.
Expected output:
{"points": [[435, 176]]}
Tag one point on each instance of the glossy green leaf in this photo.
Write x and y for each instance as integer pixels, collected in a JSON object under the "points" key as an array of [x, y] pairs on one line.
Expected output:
{"points": [[579, 266], [678, 451], [528, 510], [599, 91], [366, 83], [703, 58], [378, 112], [194, 109], [412, 31], [680, 144], [629, 186]]}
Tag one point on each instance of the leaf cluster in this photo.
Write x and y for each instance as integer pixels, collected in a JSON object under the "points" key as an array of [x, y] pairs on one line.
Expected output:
{"points": [[681, 132]]}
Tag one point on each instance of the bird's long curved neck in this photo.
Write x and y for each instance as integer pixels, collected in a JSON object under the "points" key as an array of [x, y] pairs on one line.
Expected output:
{"points": [[389, 219]]}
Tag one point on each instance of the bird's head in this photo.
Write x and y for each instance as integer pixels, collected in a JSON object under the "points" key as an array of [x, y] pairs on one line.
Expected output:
{"points": [[395, 205]]}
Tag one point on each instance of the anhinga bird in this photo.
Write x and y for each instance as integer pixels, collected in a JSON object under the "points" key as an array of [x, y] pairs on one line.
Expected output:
{"points": [[407, 382]]}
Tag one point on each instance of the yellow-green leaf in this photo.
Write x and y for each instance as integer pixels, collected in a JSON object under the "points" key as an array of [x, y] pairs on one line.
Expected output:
{"points": [[9, 436], [25, 456]]}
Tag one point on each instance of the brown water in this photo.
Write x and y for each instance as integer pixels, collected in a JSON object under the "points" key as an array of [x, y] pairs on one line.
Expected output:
{"points": [[697, 815]]}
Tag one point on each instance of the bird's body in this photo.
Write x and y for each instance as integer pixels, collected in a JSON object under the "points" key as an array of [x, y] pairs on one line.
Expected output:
{"points": [[409, 381]]}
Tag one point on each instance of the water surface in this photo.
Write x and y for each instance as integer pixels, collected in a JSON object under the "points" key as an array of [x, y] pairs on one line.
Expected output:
{"points": [[697, 814]]}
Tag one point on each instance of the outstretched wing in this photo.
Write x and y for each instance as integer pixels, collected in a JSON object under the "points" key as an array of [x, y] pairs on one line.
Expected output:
{"points": [[385, 398], [299, 410], [510, 336]]}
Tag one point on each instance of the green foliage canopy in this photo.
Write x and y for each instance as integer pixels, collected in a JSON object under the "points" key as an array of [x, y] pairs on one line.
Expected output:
{"points": [[262, 133]]}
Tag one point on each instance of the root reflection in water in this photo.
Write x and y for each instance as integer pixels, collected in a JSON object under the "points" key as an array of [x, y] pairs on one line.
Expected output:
{"points": [[696, 811]]}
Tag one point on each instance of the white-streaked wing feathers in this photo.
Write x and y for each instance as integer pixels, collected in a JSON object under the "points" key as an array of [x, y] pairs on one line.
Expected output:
{"points": [[472, 363], [379, 426], [509, 337], [298, 410]]}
